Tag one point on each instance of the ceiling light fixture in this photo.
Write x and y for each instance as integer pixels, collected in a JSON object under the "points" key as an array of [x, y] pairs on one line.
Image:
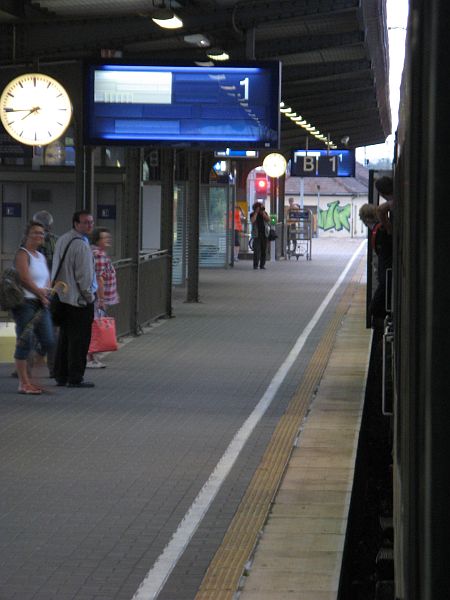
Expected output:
{"points": [[304, 124], [217, 54], [166, 18], [197, 39]]}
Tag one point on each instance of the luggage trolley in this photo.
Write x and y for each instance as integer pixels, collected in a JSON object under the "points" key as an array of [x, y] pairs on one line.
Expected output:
{"points": [[299, 234]]}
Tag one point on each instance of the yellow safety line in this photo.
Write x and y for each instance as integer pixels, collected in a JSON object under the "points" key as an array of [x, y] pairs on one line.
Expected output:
{"points": [[222, 578]]}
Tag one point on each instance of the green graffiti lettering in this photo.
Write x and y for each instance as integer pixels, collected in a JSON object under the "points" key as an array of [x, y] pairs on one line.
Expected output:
{"points": [[335, 217]]}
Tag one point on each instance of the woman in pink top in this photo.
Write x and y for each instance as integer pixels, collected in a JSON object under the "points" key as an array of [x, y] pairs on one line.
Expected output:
{"points": [[106, 279]]}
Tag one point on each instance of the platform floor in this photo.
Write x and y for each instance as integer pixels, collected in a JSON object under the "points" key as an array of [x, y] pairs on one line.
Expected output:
{"points": [[135, 488]]}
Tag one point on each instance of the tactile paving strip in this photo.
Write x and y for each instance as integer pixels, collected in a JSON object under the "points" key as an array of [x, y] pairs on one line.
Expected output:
{"points": [[222, 577]]}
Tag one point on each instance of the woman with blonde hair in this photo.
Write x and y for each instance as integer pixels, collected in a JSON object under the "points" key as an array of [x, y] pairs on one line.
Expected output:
{"points": [[32, 316]]}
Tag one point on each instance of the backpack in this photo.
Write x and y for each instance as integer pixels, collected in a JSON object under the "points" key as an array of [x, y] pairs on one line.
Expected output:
{"points": [[11, 291]]}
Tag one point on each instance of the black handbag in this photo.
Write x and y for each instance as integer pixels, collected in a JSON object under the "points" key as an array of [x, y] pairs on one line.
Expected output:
{"points": [[56, 310], [56, 306], [272, 235]]}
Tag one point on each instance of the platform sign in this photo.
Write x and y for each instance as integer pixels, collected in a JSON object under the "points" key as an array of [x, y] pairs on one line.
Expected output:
{"points": [[11, 209], [233, 106], [229, 153], [323, 163], [106, 211]]}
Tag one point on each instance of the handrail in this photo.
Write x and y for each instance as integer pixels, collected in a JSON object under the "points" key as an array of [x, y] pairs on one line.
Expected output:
{"points": [[143, 256], [122, 262]]}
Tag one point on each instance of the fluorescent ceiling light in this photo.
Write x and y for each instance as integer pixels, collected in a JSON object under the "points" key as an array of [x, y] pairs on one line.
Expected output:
{"points": [[217, 54], [288, 112], [167, 19]]}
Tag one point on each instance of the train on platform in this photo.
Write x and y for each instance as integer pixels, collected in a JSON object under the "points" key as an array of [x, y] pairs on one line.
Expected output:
{"points": [[421, 312], [398, 539], [421, 293]]}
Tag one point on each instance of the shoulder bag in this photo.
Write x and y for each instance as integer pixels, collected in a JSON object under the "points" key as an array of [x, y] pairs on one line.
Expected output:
{"points": [[11, 291]]}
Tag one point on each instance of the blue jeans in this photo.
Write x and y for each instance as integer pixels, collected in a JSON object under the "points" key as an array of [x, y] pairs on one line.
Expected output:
{"points": [[32, 318]]}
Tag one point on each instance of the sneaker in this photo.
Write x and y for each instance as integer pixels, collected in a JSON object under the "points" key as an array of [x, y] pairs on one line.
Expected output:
{"points": [[95, 364]]}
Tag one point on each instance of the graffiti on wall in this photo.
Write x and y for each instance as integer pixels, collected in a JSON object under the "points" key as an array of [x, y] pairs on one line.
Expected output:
{"points": [[335, 217]]}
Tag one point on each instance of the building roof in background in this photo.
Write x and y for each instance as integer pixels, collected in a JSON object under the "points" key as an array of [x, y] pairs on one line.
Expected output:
{"points": [[331, 186]]}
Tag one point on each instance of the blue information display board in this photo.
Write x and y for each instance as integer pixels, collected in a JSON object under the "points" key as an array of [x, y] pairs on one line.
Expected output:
{"points": [[323, 163], [183, 105]]}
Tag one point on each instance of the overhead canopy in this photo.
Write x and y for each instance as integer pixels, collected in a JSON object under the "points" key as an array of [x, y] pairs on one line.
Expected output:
{"points": [[334, 53]]}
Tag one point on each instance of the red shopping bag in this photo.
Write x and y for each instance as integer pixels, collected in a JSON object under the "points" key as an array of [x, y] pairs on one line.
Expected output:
{"points": [[103, 336]]}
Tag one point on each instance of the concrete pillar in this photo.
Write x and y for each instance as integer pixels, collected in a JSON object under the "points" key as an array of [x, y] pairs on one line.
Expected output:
{"points": [[193, 229], [167, 193], [132, 226]]}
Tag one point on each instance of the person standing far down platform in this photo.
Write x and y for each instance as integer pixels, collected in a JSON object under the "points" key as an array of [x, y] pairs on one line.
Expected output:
{"points": [[73, 265], [259, 220], [238, 218]]}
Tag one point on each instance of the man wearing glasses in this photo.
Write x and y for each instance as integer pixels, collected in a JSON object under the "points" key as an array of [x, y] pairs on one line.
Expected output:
{"points": [[73, 265]]}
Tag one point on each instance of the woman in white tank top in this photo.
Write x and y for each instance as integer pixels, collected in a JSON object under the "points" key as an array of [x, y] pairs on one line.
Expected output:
{"points": [[32, 316]]}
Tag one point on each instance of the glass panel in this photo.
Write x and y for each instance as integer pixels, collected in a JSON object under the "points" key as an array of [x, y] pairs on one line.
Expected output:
{"points": [[214, 240], [179, 236]]}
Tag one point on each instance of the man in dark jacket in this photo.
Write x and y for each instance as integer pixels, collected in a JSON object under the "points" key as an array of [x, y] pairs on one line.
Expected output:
{"points": [[259, 218]]}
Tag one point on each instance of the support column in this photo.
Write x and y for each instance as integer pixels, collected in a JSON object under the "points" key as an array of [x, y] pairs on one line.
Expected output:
{"points": [[132, 229], [281, 193], [273, 194], [250, 38], [84, 177], [193, 230], [167, 194]]}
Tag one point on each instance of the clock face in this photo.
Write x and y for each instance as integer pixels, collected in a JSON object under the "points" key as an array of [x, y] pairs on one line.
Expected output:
{"points": [[274, 164], [35, 109]]}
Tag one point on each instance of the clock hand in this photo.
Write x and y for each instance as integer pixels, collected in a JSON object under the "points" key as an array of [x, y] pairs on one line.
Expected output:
{"points": [[33, 110], [18, 109]]}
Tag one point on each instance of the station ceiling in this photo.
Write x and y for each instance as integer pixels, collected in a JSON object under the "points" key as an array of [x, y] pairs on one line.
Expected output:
{"points": [[334, 53]]}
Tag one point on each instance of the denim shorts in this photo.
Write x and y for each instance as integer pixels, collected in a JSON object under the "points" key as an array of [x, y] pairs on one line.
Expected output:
{"points": [[32, 321]]}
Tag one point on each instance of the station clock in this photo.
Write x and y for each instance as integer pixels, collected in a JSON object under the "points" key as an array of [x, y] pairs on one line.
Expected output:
{"points": [[35, 109]]}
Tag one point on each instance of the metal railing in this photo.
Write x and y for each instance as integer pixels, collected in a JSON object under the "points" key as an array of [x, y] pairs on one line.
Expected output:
{"points": [[153, 286], [143, 296]]}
